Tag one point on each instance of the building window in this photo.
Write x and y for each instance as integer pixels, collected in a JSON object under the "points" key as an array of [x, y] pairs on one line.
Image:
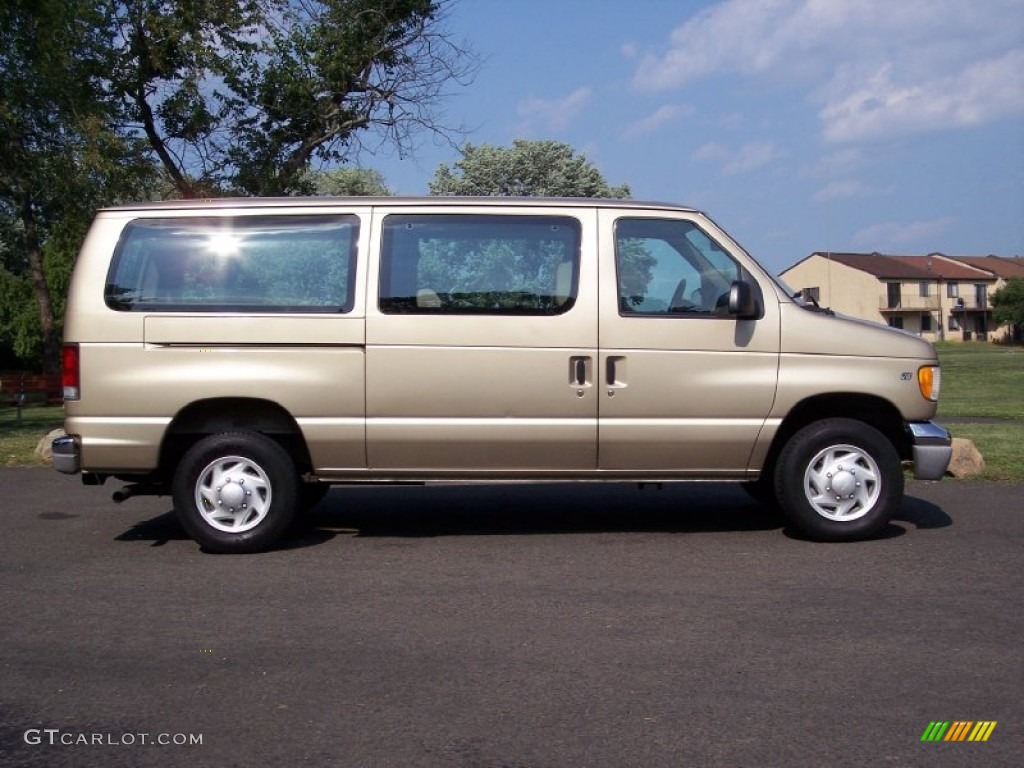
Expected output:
{"points": [[812, 294], [954, 323], [926, 323], [923, 287], [896, 322], [952, 290], [893, 295]]}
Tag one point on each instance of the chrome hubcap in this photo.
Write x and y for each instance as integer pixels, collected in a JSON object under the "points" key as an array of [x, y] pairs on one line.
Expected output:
{"points": [[233, 494], [842, 482]]}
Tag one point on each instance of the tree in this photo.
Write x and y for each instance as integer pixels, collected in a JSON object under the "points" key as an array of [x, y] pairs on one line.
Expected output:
{"points": [[345, 182], [225, 96], [58, 157], [527, 168], [241, 96], [1008, 303]]}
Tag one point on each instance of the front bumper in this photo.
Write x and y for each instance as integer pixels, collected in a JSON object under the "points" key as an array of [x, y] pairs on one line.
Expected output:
{"points": [[933, 448], [67, 457]]}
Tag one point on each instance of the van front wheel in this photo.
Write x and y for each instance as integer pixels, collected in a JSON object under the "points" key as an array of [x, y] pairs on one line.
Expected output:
{"points": [[839, 480], [236, 492]]}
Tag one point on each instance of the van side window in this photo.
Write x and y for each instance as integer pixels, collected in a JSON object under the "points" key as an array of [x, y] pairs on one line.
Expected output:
{"points": [[256, 263], [475, 264], [671, 267]]}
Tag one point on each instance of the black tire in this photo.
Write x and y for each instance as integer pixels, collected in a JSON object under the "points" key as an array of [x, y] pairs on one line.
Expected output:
{"points": [[234, 517], [839, 480]]}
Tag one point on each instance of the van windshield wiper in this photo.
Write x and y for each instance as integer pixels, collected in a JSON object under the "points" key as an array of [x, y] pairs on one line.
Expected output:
{"points": [[814, 306]]}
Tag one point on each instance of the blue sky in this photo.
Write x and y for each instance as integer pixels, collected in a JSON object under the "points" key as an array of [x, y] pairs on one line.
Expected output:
{"points": [[799, 125]]}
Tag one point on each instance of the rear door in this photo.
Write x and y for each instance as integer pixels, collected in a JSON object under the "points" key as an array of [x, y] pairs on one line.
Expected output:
{"points": [[482, 341]]}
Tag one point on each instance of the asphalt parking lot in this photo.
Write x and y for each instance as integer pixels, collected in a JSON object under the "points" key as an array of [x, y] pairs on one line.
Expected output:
{"points": [[513, 626]]}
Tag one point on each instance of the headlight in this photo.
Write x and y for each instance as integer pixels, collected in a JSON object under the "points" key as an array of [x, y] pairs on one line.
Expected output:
{"points": [[929, 379]]}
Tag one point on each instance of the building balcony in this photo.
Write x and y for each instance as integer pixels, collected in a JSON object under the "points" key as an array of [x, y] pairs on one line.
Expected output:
{"points": [[908, 303], [967, 304]]}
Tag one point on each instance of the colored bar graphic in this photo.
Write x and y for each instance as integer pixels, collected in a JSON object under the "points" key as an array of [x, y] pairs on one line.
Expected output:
{"points": [[935, 730], [958, 730], [982, 730]]}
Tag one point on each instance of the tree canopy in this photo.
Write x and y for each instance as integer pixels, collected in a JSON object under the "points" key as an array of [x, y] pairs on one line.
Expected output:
{"points": [[344, 182], [240, 97], [62, 154], [103, 101], [1008, 303], [527, 168]]}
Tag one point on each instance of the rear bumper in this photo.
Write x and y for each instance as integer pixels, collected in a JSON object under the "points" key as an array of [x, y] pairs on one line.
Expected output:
{"points": [[67, 456], [933, 448]]}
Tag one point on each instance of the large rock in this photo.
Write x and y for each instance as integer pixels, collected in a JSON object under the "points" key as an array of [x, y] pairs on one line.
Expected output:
{"points": [[967, 460], [44, 450]]}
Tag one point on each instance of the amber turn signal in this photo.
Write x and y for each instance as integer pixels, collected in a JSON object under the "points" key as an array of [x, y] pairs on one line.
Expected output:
{"points": [[929, 379]]}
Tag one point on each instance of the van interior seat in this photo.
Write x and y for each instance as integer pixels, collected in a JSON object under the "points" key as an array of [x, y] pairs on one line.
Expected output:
{"points": [[563, 283], [425, 297]]}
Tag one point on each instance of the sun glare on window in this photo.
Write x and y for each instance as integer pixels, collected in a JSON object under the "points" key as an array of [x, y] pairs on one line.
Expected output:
{"points": [[223, 244]]}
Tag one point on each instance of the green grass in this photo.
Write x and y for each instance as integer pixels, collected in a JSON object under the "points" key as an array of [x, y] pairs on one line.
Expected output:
{"points": [[981, 380], [1002, 447], [986, 380], [18, 441]]}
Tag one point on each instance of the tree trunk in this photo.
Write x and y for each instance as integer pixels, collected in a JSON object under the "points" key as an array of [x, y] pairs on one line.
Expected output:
{"points": [[51, 341]]}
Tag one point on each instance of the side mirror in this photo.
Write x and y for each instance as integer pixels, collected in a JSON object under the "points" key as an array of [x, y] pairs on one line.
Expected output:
{"points": [[743, 301]]}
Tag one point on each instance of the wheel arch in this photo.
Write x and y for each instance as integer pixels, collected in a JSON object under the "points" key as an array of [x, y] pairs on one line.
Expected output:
{"points": [[229, 414], [869, 409]]}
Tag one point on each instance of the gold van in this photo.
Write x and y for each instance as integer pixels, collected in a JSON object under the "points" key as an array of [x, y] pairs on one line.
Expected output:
{"points": [[244, 355]]}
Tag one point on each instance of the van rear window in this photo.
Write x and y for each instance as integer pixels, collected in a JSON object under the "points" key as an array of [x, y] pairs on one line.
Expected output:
{"points": [[479, 264], [246, 263]]}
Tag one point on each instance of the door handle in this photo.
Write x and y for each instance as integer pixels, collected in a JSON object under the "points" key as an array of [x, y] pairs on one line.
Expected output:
{"points": [[615, 372], [579, 371]]}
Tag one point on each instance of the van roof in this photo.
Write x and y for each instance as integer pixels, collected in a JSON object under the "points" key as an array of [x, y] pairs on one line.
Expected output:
{"points": [[306, 202]]}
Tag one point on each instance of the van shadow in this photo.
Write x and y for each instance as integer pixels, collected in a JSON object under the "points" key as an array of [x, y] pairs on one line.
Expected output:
{"points": [[529, 509], [165, 528], [504, 510], [157, 530], [917, 512], [922, 514], [525, 509]]}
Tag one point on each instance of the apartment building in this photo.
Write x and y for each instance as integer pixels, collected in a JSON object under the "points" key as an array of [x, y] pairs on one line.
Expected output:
{"points": [[936, 296]]}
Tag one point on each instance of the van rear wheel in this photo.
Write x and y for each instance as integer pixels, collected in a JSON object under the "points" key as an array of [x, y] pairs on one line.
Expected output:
{"points": [[839, 480], [236, 492]]}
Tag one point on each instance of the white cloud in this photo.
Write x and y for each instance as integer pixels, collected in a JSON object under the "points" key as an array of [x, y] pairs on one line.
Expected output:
{"points": [[839, 163], [838, 190], [712, 151], [552, 114], [920, 235], [656, 120], [749, 157], [875, 67], [880, 105]]}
